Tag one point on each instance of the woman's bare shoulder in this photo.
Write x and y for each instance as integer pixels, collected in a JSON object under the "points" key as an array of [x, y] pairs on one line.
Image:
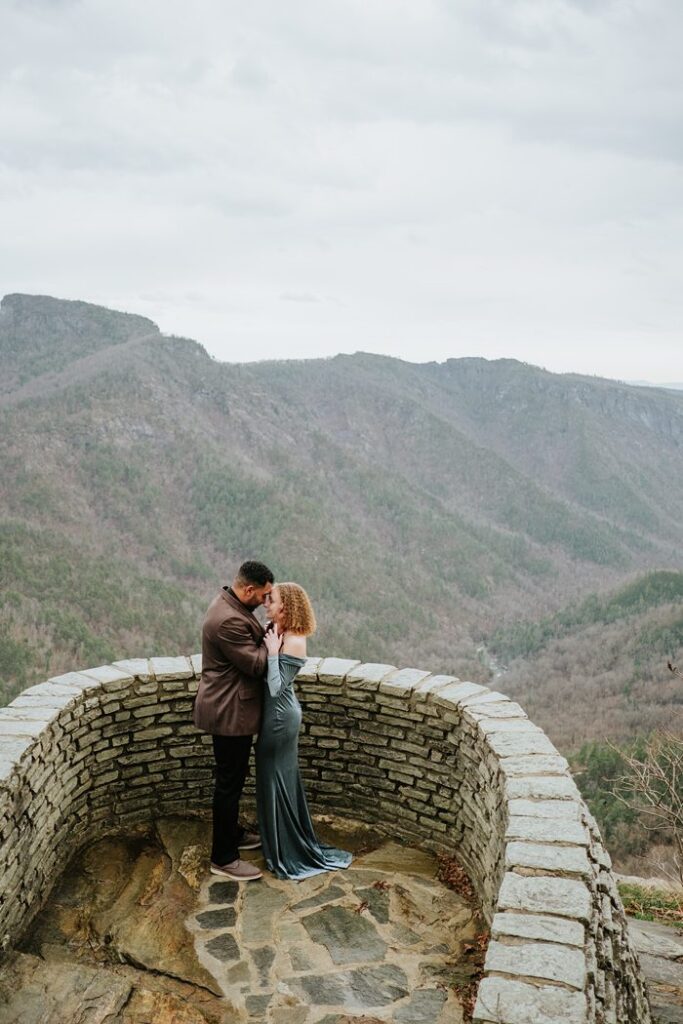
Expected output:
{"points": [[295, 645]]}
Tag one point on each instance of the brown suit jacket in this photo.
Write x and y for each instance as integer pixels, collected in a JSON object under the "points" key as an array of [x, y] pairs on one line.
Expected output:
{"points": [[234, 662]]}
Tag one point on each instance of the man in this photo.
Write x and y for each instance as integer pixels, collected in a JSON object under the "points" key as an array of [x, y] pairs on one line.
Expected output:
{"points": [[228, 705]]}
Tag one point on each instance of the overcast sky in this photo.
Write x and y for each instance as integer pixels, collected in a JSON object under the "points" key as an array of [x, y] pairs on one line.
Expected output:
{"points": [[422, 178]]}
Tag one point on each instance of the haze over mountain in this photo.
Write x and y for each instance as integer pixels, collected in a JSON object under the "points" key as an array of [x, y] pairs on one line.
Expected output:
{"points": [[427, 508], [673, 385]]}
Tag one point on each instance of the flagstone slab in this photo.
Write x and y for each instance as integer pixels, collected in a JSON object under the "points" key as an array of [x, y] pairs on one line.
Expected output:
{"points": [[261, 903], [223, 892], [377, 901], [212, 919], [257, 1005], [405, 935], [223, 947], [360, 989], [333, 892], [424, 1007], [299, 959], [347, 935], [263, 958]]}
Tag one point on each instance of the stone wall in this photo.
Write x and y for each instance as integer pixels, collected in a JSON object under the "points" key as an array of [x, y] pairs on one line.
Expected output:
{"points": [[450, 765]]}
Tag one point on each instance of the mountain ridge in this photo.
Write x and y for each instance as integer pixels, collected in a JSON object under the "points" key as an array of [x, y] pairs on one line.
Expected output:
{"points": [[423, 504]]}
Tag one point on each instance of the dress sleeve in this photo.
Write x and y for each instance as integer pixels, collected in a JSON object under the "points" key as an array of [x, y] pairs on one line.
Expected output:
{"points": [[274, 679]]}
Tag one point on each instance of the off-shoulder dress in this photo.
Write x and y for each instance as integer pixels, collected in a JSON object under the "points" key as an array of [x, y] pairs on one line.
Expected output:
{"points": [[290, 846]]}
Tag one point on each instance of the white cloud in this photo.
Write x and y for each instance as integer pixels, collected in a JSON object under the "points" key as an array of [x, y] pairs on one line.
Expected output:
{"points": [[420, 177]]}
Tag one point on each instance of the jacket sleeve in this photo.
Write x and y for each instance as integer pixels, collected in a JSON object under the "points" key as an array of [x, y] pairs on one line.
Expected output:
{"points": [[239, 647]]}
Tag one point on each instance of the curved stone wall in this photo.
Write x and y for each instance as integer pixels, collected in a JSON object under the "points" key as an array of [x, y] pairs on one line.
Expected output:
{"points": [[450, 765]]}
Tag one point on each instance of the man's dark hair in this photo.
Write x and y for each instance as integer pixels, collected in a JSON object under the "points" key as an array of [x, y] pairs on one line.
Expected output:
{"points": [[255, 573]]}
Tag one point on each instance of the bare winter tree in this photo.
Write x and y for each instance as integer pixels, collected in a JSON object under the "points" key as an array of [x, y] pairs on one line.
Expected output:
{"points": [[652, 785]]}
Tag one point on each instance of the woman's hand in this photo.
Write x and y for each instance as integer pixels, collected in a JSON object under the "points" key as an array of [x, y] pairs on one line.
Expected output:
{"points": [[273, 640]]}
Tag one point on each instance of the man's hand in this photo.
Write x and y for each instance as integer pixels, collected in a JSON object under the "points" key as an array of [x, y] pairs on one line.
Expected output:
{"points": [[273, 640]]}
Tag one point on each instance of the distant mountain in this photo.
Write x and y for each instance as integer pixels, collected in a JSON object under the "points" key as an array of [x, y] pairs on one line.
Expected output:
{"points": [[424, 506], [651, 384]]}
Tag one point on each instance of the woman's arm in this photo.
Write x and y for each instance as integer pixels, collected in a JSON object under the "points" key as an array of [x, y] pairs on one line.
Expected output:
{"points": [[273, 641], [274, 679]]}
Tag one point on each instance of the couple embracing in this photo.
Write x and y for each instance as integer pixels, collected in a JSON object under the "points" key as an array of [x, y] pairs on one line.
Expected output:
{"points": [[247, 688]]}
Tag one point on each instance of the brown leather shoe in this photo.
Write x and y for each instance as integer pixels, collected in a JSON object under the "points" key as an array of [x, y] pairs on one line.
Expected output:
{"points": [[250, 841], [238, 870]]}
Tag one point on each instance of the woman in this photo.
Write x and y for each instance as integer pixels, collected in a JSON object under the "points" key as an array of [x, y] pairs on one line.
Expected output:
{"points": [[290, 845]]}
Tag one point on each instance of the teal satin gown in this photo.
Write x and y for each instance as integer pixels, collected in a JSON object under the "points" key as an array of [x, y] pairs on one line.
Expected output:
{"points": [[290, 846]]}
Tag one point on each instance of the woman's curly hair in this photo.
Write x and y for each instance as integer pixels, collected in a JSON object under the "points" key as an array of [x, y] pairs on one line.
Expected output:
{"points": [[297, 611]]}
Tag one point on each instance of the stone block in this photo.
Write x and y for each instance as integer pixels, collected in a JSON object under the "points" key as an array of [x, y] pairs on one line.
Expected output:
{"points": [[540, 787], [564, 809], [171, 668], [401, 684], [309, 670], [538, 926], [396, 710], [520, 744], [108, 674], [12, 751], [496, 709], [513, 765], [148, 689], [505, 1001], [50, 688], [561, 897], [137, 667], [543, 961], [11, 725], [102, 756], [139, 757], [571, 860], [507, 725], [150, 710], [56, 701], [196, 662], [453, 695], [487, 697], [369, 675], [546, 830], [154, 733], [432, 684], [78, 680], [333, 669]]}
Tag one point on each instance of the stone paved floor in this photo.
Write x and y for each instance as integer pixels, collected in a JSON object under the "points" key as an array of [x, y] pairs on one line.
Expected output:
{"points": [[137, 932], [382, 938], [660, 949]]}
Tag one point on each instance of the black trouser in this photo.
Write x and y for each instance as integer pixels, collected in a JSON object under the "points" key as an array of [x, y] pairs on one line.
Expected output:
{"points": [[232, 764]]}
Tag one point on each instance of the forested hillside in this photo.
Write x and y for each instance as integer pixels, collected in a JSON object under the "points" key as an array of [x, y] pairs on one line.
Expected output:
{"points": [[429, 509], [598, 667]]}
